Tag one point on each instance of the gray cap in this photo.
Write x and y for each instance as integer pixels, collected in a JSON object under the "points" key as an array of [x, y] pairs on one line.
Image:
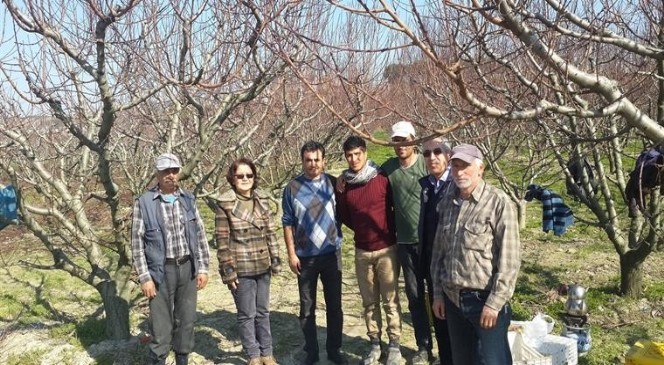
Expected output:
{"points": [[467, 153], [167, 161]]}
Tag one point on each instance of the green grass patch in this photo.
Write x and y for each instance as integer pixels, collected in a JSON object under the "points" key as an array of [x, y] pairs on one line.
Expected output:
{"points": [[33, 357]]}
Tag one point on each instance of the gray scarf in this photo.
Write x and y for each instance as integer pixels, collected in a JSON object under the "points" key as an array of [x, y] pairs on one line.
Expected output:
{"points": [[368, 172]]}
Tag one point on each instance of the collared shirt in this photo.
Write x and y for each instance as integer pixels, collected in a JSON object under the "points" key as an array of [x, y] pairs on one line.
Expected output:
{"points": [[477, 245], [176, 242], [437, 184]]}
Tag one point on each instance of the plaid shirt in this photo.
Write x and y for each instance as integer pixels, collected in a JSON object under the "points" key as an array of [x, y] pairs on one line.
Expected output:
{"points": [[476, 246], [246, 241], [176, 243]]}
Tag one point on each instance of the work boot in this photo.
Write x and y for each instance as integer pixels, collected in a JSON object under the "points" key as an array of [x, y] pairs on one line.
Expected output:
{"points": [[268, 360], [181, 359], [255, 361]]}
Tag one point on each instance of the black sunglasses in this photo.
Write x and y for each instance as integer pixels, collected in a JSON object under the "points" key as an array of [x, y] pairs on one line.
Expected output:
{"points": [[436, 151], [244, 176]]}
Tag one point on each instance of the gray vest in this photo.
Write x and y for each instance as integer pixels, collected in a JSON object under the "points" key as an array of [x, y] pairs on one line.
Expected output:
{"points": [[154, 237]]}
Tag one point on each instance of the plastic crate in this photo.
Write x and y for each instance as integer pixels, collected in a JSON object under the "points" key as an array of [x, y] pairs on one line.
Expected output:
{"points": [[562, 350], [523, 354]]}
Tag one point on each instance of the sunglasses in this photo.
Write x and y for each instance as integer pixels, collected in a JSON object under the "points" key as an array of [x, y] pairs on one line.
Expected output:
{"points": [[244, 176], [436, 151]]}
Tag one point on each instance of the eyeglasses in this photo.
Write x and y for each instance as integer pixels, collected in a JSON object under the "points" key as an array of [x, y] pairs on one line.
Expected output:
{"points": [[436, 151], [244, 176]]}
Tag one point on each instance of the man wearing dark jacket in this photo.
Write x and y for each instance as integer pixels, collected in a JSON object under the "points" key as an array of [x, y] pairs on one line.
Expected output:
{"points": [[436, 155], [171, 257]]}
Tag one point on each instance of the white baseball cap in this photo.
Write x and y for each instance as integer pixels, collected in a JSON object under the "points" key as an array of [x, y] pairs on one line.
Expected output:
{"points": [[403, 129], [167, 161]]}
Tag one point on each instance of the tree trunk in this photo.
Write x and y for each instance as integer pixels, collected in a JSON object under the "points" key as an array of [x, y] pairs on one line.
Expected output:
{"points": [[116, 307], [521, 212], [631, 274]]}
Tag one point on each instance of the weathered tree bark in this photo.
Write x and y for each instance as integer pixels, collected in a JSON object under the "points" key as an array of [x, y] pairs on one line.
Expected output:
{"points": [[116, 308]]}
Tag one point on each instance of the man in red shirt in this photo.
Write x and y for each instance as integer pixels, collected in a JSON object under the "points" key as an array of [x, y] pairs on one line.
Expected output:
{"points": [[365, 206]]}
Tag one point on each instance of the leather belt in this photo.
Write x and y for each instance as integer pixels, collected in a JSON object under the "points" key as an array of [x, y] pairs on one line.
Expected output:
{"points": [[178, 261], [470, 291]]}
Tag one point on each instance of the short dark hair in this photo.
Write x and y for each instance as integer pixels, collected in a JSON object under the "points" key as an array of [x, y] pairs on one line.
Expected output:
{"points": [[232, 169], [354, 142], [312, 146]]}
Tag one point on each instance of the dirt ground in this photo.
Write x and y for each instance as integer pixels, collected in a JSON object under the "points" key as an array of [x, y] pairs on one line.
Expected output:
{"points": [[217, 341]]}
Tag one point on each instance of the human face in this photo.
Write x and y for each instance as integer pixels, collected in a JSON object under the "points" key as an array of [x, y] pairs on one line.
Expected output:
{"points": [[435, 158], [168, 180], [244, 180], [466, 176], [356, 159], [403, 152], [313, 164]]}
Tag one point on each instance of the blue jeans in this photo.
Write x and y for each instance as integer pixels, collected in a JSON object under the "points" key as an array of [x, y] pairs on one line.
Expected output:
{"points": [[413, 277], [472, 344], [328, 268], [252, 299]]}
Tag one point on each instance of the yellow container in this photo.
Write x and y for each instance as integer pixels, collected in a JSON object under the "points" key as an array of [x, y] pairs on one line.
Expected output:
{"points": [[645, 353]]}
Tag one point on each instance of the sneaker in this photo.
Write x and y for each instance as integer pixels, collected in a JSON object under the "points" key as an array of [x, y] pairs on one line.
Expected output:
{"points": [[373, 356], [254, 361], [337, 358], [421, 357], [393, 356], [268, 360]]}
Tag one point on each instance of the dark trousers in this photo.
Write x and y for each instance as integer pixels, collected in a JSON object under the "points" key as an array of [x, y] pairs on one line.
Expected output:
{"points": [[328, 268], [439, 327], [414, 282], [252, 299], [173, 312], [471, 344]]}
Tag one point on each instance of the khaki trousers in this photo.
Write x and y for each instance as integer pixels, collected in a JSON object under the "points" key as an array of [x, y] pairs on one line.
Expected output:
{"points": [[377, 276]]}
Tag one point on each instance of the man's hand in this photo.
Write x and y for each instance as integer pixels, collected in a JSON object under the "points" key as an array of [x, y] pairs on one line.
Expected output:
{"points": [[148, 289], [438, 308], [232, 286], [488, 318], [294, 263], [201, 281], [341, 183]]}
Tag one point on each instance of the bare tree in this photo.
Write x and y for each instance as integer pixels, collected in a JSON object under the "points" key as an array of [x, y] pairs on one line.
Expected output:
{"points": [[575, 71], [95, 91]]}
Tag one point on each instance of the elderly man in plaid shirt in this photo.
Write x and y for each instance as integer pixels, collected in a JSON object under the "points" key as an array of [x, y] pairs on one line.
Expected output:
{"points": [[171, 257], [475, 263]]}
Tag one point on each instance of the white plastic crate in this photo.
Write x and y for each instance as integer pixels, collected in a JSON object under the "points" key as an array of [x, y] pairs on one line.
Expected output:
{"points": [[563, 350]]}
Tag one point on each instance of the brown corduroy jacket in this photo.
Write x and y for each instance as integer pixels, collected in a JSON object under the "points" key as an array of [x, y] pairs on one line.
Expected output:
{"points": [[246, 241]]}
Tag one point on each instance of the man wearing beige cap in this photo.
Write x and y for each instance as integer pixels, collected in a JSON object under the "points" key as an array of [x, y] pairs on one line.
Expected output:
{"points": [[475, 263], [171, 257], [404, 172]]}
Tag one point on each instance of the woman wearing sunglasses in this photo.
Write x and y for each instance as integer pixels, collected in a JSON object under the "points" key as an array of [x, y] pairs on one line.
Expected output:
{"points": [[248, 256]]}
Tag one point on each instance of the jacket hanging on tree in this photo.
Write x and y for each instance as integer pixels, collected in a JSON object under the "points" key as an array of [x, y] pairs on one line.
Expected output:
{"points": [[556, 215], [645, 177], [8, 208]]}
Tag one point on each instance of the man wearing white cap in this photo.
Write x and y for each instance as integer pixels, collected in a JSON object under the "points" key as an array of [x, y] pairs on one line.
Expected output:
{"points": [[171, 257], [475, 264], [404, 172]]}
